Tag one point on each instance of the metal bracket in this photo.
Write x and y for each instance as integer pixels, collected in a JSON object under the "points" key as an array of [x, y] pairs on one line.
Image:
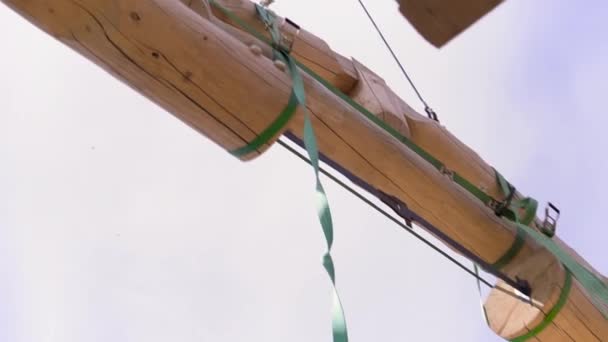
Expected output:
{"points": [[431, 113], [499, 207], [398, 207], [445, 171], [550, 223], [524, 287]]}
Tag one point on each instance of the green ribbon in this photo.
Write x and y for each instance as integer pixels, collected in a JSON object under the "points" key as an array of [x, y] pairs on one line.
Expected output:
{"points": [[310, 142], [298, 98]]}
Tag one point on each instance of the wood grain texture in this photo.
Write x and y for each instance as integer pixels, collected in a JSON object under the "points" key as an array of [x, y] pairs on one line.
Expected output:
{"points": [[307, 48], [372, 93], [578, 320], [207, 74], [439, 21]]}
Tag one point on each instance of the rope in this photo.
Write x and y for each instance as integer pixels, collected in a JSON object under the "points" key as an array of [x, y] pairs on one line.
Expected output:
{"points": [[430, 112]]}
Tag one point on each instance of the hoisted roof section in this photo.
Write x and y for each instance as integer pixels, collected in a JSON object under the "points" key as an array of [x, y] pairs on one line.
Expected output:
{"points": [[439, 21]]}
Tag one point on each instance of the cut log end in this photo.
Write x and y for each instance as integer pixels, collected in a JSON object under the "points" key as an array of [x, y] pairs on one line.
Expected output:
{"points": [[576, 318], [440, 21]]}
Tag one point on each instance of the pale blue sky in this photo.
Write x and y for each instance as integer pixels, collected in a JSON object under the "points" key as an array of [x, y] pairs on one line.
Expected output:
{"points": [[118, 222]]}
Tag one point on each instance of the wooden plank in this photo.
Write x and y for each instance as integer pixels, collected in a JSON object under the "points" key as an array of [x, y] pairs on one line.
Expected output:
{"points": [[439, 21]]}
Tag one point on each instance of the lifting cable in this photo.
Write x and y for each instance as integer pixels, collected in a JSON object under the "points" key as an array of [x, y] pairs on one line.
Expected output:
{"points": [[429, 111], [407, 226]]}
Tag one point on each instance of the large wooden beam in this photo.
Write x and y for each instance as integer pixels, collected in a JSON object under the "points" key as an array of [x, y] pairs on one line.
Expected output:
{"points": [[220, 81], [439, 21]]}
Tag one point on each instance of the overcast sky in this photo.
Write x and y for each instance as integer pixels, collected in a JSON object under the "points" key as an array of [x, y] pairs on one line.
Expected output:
{"points": [[120, 223]]}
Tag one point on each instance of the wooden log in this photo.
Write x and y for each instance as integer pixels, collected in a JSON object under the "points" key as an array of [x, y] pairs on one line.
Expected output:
{"points": [[372, 92], [308, 48], [350, 77], [440, 21], [578, 320], [206, 75]]}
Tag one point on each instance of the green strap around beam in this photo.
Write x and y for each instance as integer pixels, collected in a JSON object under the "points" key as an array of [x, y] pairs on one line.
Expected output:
{"points": [[271, 131], [528, 206], [596, 287], [298, 98], [561, 301], [598, 290], [511, 253]]}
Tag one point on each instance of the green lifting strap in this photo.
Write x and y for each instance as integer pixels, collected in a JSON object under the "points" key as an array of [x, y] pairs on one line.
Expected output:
{"points": [[528, 206], [271, 131], [297, 93], [597, 289], [298, 98], [269, 19], [561, 301], [516, 246]]}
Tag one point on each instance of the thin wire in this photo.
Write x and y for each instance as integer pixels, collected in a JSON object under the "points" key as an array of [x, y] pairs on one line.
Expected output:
{"points": [[405, 227], [388, 46]]}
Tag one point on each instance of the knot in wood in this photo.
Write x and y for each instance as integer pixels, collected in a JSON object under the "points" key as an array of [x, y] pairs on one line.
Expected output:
{"points": [[280, 65], [255, 49], [135, 16]]}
